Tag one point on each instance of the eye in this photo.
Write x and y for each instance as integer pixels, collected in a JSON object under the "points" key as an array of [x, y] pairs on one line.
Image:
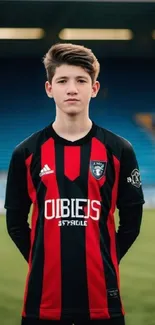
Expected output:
{"points": [[81, 80], [62, 81]]}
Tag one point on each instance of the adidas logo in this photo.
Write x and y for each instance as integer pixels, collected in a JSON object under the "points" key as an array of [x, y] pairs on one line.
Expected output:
{"points": [[46, 170]]}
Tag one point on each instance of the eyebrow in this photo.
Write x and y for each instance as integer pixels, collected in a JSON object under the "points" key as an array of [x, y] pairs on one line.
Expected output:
{"points": [[65, 77]]}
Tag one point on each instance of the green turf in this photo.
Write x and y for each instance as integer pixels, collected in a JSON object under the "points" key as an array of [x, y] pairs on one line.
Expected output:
{"points": [[137, 277]]}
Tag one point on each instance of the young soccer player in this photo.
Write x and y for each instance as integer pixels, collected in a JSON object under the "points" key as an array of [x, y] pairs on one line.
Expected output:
{"points": [[75, 173]]}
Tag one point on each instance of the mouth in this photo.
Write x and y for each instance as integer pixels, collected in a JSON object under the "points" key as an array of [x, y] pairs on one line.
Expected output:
{"points": [[72, 100]]}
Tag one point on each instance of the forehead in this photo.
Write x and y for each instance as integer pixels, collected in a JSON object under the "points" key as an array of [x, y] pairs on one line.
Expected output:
{"points": [[70, 71]]}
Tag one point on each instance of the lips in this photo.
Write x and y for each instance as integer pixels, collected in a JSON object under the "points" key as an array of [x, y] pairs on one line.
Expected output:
{"points": [[71, 100]]}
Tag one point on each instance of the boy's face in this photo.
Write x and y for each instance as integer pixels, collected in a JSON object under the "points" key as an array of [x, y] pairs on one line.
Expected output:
{"points": [[71, 89]]}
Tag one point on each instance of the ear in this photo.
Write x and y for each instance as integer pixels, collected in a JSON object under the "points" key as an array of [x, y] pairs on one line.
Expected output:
{"points": [[95, 89], [48, 88]]}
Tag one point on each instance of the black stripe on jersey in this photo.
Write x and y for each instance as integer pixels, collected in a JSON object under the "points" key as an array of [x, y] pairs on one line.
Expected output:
{"points": [[34, 294], [109, 270], [74, 293]]}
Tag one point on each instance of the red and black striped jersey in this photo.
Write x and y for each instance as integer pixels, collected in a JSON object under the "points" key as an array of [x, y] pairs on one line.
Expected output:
{"points": [[75, 188]]}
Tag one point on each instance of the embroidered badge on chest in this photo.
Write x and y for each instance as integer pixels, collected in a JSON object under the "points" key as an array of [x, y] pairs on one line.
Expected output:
{"points": [[98, 168]]}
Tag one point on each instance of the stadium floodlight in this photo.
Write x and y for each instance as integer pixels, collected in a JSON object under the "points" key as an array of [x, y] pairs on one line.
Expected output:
{"points": [[153, 34], [21, 33], [96, 34]]}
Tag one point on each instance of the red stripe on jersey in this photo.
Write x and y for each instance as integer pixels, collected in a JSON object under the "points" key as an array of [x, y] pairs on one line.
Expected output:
{"points": [[72, 162], [51, 290], [33, 196], [96, 283], [111, 222]]}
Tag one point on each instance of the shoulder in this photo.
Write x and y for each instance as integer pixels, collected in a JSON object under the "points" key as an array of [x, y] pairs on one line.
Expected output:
{"points": [[113, 141], [30, 144]]}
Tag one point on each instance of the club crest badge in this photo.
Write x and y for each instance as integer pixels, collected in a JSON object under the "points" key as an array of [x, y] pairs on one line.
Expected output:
{"points": [[98, 168]]}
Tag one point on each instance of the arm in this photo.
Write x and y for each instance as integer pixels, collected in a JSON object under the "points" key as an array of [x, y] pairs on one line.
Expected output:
{"points": [[130, 201], [129, 227], [17, 203], [19, 231]]}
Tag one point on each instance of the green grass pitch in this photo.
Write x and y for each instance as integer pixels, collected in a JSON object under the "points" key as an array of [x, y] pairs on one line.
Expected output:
{"points": [[137, 277]]}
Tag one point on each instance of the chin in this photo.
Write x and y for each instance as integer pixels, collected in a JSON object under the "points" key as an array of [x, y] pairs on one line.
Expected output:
{"points": [[73, 112]]}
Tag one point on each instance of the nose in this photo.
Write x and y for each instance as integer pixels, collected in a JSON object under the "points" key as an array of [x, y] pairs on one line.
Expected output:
{"points": [[72, 89]]}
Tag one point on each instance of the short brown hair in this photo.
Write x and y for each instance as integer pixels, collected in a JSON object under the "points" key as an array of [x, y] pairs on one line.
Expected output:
{"points": [[67, 53]]}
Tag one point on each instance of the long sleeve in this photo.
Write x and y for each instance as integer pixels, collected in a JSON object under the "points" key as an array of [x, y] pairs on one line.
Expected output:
{"points": [[17, 203], [19, 231], [129, 227], [130, 201]]}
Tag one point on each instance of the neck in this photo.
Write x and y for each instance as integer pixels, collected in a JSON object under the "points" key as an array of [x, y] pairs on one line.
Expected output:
{"points": [[72, 127]]}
